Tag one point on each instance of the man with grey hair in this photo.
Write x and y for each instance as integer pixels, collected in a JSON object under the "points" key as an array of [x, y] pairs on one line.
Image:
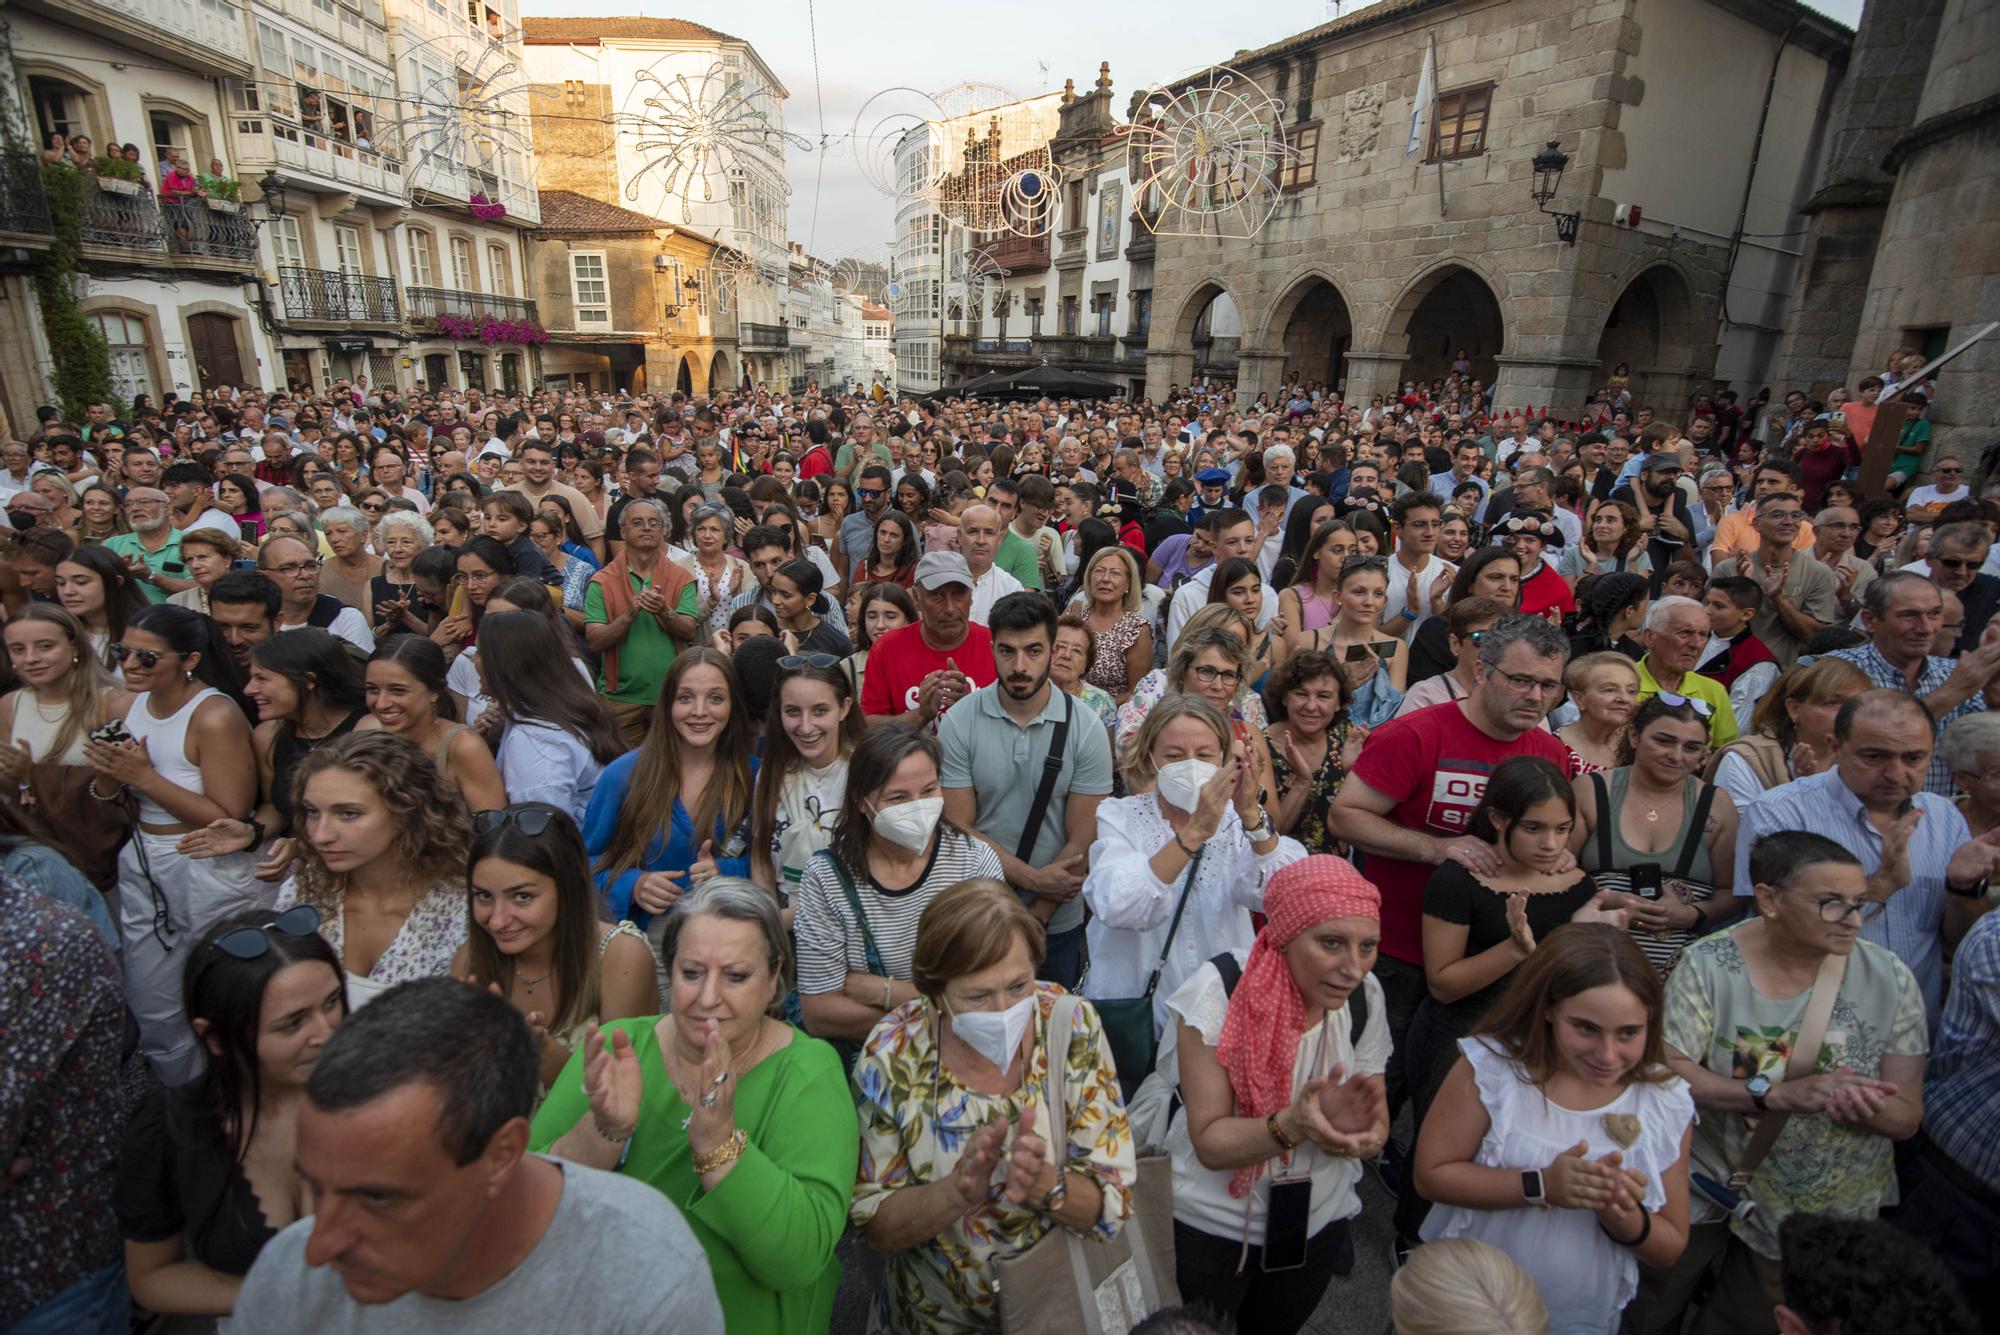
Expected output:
{"points": [[1409, 799], [1902, 613], [979, 530], [1958, 553], [636, 613], [1676, 637], [1800, 595], [1834, 532], [1280, 466], [152, 550]]}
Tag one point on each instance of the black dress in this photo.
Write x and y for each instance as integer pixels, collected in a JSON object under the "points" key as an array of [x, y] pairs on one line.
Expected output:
{"points": [[288, 750], [175, 1176]]}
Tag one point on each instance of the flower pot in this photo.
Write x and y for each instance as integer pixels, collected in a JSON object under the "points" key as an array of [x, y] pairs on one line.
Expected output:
{"points": [[117, 186], [225, 206]]}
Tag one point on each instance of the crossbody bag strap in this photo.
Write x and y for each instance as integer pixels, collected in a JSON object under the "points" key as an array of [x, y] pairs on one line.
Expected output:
{"points": [[870, 955], [1051, 767], [1812, 1037], [1692, 844], [1605, 815], [1062, 1023], [1187, 889]]}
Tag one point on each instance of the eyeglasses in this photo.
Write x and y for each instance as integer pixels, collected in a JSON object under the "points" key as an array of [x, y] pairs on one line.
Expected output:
{"points": [[1833, 909], [531, 820], [1209, 676], [148, 658], [371, 507], [1364, 563], [248, 943], [792, 662], [1783, 516], [870, 493], [294, 569], [1702, 708], [1956, 562], [1526, 685]]}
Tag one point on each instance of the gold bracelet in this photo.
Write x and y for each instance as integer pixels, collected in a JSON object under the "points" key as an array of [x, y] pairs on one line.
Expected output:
{"points": [[722, 1154], [1285, 1143]]}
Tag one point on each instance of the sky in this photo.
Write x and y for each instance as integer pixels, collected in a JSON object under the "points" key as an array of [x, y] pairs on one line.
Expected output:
{"points": [[868, 46]]}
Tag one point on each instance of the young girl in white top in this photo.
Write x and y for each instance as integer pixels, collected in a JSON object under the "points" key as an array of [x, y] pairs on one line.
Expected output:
{"points": [[1561, 1135]]}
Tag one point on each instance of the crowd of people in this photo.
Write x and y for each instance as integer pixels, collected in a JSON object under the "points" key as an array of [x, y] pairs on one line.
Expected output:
{"points": [[659, 864]]}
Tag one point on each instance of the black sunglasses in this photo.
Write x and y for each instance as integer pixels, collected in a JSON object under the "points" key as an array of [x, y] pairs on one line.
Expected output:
{"points": [[792, 662], [247, 943], [532, 821], [148, 658]]}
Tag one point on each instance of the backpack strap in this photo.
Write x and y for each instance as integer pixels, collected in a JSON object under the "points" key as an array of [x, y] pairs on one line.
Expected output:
{"points": [[1232, 972], [1357, 1004], [1692, 844], [1605, 815]]}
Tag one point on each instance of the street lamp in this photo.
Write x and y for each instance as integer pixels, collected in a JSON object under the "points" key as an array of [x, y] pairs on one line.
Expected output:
{"points": [[1549, 164], [273, 187]]}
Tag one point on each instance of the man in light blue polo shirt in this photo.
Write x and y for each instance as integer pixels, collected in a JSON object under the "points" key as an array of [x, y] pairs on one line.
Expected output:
{"points": [[996, 744]]}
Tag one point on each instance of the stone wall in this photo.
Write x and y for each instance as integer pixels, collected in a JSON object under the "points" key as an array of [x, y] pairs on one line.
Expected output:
{"points": [[571, 152], [1374, 227]]}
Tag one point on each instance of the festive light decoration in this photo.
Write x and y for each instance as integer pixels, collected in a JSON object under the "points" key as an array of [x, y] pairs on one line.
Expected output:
{"points": [[469, 107], [731, 269], [1209, 154], [986, 166], [690, 131], [982, 280]]}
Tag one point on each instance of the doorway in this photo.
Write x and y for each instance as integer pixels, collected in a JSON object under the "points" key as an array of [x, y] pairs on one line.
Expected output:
{"points": [[212, 340]]}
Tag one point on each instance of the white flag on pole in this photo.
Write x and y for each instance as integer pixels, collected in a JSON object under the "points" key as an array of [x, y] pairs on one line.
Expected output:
{"points": [[1423, 104]]}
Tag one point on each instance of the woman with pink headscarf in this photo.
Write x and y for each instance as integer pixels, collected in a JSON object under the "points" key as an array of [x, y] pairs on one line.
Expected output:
{"points": [[1281, 1050]]}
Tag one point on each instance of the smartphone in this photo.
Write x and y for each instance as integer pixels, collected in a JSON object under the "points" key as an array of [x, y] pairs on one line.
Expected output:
{"points": [[173, 568], [113, 732], [1909, 805], [1357, 653], [1645, 877], [1286, 1224], [1384, 649], [248, 528]]}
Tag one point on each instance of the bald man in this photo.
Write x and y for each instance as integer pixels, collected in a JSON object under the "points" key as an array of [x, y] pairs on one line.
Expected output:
{"points": [[979, 533]]}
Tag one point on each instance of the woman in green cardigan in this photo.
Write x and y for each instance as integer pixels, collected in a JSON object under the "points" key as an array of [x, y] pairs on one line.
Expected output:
{"points": [[745, 1123]]}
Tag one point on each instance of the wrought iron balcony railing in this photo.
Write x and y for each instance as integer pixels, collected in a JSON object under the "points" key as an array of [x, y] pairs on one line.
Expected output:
{"points": [[328, 294], [199, 229], [435, 301], [122, 218]]}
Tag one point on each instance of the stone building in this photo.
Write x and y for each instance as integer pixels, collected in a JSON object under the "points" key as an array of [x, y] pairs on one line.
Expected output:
{"points": [[1903, 245], [1376, 267], [625, 300]]}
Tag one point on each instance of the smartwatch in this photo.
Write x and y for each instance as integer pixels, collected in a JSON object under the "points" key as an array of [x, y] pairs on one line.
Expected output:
{"points": [[1532, 1189], [1759, 1088]]}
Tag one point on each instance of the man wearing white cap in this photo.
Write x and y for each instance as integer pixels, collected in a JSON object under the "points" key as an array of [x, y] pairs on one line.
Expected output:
{"points": [[917, 672]]}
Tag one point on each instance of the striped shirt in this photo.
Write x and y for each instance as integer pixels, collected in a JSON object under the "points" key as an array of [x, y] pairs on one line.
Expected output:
{"points": [[1890, 677], [1962, 1078], [1822, 804], [830, 941]]}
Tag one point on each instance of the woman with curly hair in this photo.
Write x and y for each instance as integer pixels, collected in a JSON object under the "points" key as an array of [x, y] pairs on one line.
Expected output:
{"points": [[383, 844], [1611, 543]]}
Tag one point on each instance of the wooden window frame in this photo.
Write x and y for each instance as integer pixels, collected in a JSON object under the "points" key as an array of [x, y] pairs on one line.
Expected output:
{"points": [[1304, 172], [1463, 144]]}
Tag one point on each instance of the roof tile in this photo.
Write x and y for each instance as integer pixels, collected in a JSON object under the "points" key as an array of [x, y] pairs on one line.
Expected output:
{"points": [[549, 30]]}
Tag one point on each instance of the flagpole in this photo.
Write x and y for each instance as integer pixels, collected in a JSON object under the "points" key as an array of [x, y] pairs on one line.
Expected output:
{"points": [[1442, 210]]}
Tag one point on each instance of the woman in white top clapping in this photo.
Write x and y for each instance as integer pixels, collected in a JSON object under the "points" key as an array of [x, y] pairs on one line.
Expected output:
{"points": [[1199, 801]]}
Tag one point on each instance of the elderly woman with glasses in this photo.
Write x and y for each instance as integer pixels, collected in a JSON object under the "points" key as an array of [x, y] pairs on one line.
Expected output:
{"points": [[1211, 658], [719, 576], [1971, 749], [743, 1120]]}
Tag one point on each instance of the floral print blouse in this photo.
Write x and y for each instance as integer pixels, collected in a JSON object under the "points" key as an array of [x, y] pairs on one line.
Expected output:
{"points": [[915, 1120], [1311, 828], [424, 946]]}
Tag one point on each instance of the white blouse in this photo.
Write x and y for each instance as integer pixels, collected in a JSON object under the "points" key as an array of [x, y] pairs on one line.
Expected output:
{"points": [[1201, 1195], [1132, 909]]}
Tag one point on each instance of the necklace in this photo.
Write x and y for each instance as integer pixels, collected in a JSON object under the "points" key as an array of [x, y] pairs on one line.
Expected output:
{"points": [[62, 710], [533, 983]]}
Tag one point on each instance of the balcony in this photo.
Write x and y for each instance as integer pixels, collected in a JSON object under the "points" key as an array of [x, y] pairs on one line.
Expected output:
{"points": [[431, 302], [123, 218], [334, 297], [314, 160], [762, 337], [1019, 254], [24, 209], [205, 35], [199, 230]]}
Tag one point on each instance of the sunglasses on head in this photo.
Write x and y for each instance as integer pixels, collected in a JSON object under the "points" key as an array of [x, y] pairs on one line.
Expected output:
{"points": [[792, 662], [148, 658], [1702, 708], [247, 943], [532, 821]]}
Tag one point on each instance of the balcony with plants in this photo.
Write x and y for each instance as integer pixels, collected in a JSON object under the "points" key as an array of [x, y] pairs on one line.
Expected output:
{"points": [[474, 317]]}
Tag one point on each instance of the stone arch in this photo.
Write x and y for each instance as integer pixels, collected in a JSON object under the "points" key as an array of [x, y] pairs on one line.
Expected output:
{"points": [[718, 372], [1651, 329], [1312, 325], [1450, 307], [1210, 326], [683, 376]]}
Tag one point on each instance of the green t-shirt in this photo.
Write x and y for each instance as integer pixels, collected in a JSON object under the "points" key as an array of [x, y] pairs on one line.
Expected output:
{"points": [[844, 463], [1017, 557], [648, 650], [127, 545], [1716, 1017], [771, 1225]]}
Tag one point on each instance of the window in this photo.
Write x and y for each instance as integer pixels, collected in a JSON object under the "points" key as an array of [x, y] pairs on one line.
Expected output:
{"points": [[461, 264], [131, 363], [1459, 129], [420, 258], [1035, 316], [588, 288], [1142, 315], [1104, 319], [1074, 218], [286, 243], [1301, 170], [59, 108], [347, 247], [1069, 311], [496, 271]]}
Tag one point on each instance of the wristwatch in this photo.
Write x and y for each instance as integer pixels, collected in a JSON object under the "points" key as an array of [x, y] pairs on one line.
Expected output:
{"points": [[1261, 830], [1532, 1189], [1977, 890], [1759, 1088]]}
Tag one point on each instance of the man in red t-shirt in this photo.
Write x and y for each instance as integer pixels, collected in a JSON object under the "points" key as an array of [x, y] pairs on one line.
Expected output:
{"points": [[1410, 795], [917, 672]]}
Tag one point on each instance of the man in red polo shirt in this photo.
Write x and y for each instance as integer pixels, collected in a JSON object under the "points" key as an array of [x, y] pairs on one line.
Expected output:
{"points": [[917, 672], [1408, 800]]}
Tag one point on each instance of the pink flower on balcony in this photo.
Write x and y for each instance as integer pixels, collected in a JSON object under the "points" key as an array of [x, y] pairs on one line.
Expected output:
{"points": [[484, 209]]}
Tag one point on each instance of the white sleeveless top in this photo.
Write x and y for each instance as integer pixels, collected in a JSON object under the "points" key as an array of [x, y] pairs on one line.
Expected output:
{"points": [[1585, 1279], [166, 745], [37, 731]]}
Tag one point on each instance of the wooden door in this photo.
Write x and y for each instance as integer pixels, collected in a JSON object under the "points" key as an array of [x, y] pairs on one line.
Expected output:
{"points": [[212, 340]]}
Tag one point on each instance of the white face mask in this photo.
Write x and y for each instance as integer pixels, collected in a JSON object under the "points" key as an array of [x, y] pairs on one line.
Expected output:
{"points": [[1182, 781], [995, 1035], [909, 823]]}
